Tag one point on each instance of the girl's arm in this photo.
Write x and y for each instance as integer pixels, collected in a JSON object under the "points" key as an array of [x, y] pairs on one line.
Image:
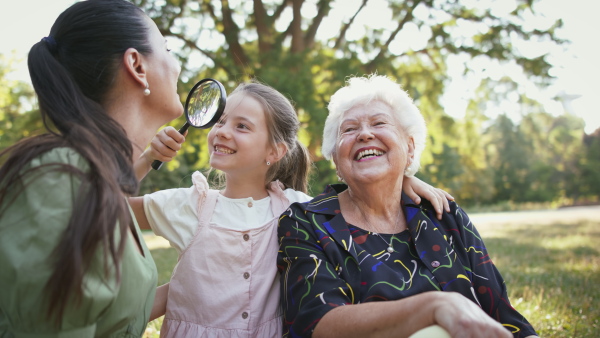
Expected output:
{"points": [[159, 308], [414, 187], [164, 147], [137, 205]]}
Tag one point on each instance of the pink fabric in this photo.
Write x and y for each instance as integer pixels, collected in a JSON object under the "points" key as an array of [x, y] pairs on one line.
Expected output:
{"points": [[209, 293]]}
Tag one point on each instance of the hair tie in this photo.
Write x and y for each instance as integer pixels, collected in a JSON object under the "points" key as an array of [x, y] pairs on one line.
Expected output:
{"points": [[51, 43]]}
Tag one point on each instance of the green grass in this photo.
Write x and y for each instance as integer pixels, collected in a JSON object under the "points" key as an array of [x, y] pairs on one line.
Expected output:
{"points": [[552, 272], [165, 258]]}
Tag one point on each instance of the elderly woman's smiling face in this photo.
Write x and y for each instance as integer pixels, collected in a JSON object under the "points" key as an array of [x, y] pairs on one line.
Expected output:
{"points": [[372, 145]]}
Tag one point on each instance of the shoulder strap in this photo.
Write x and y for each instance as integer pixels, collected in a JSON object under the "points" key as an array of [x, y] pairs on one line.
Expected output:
{"points": [[279, 203]]}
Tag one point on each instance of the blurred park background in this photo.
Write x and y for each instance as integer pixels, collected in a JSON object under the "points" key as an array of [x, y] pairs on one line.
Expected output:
{"points": [[495, 81], [485, 74]]}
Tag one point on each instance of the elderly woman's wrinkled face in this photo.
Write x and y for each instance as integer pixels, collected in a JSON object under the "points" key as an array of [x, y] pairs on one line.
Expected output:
{"points": [[372, 145]]}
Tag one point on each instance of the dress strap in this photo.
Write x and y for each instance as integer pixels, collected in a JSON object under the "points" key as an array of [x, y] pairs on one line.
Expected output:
{"points": [[207, 199], [279, 203]]}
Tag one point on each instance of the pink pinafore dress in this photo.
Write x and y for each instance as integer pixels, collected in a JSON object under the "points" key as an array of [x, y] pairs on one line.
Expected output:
{"points": [[226, 282]]}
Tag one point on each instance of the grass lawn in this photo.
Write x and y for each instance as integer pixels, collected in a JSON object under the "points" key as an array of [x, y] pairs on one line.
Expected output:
{"points": [[552, 269]]}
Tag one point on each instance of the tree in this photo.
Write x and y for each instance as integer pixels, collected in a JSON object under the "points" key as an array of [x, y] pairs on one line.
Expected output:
{"points": [[590, 166], [279, 43], [510, 157], [15, 95]]}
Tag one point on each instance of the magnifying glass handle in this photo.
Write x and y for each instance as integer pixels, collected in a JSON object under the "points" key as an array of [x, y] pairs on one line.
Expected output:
{"points": [[157, 164]]}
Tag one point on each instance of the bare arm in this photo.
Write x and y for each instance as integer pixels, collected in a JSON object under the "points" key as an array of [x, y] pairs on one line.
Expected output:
{"points": [[453, 312], [159, 308], [415, 189], [164, 147], [137, 205]]}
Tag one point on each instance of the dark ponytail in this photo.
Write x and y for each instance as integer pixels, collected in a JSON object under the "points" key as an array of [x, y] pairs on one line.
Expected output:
{"points": [[72, 71], [283, 125]]}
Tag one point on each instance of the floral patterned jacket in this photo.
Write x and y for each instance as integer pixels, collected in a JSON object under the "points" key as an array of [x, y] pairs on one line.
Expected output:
{"points": [[320, 261]]}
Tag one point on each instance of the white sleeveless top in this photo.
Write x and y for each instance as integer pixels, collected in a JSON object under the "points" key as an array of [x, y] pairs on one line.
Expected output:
{"points": [[226, 282]]}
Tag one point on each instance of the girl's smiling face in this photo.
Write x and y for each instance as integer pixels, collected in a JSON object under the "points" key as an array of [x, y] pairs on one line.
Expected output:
{"points": [[239, 142]]}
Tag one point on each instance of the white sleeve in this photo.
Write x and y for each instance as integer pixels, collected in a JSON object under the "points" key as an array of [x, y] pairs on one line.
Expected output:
{"points": [[172, 214], [296, 196]]}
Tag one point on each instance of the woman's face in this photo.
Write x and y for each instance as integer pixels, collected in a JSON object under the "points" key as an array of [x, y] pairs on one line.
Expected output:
{"points": [[371, 145], [163, 73], [239, 142]]}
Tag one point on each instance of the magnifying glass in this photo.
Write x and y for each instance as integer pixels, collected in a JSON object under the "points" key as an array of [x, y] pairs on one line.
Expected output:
{"points": [[203, 107]]}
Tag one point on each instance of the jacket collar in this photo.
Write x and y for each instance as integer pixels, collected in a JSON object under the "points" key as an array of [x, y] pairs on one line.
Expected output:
{"points": [[327, 204]]}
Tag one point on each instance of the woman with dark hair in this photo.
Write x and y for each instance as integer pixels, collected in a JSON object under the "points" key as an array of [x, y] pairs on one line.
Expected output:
{"points": [[73, 259]]}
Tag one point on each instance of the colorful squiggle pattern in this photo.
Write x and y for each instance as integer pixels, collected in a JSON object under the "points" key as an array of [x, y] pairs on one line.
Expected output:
{"points": [[326, 262]]}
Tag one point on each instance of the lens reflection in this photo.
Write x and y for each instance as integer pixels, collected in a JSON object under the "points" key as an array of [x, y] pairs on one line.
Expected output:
{"points": [[203, 104]]}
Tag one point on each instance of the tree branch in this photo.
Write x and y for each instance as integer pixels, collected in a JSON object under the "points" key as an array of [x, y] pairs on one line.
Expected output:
{"points": [[384, 48], [192, 45], [231, 32], [296, 27], [279, 39], [342, 35], [309, 38], [182, 5], [211, 10], [279, 10], [262, 27]]}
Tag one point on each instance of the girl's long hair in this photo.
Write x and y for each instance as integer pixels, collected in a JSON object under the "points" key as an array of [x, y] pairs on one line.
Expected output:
{"points": [[72, 71]]}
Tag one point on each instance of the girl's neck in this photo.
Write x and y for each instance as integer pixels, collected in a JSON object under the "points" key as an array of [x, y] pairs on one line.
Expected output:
{"points": [[243, 187]]}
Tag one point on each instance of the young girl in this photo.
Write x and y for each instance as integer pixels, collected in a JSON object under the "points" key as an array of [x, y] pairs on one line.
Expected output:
{"points": [[226, 283]]}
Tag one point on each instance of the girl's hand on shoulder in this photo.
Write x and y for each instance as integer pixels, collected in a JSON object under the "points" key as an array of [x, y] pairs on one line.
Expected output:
{"points": [[415, 189]]}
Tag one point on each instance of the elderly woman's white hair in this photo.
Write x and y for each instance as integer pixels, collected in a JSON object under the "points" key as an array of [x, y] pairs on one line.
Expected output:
{"points": [[362, 91]]}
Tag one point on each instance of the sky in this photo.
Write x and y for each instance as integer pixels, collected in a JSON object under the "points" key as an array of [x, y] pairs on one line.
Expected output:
{"points": [[577, 72]]}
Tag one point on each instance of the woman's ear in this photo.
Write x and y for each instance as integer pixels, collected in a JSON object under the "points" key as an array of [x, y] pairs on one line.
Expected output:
{"points": [[411, 147], [133, 61]]}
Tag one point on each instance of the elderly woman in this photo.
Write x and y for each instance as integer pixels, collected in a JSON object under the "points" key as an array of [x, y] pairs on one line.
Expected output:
{"points": [[363, 259]]}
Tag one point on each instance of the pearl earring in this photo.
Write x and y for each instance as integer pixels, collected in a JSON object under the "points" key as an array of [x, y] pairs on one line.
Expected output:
{"points": [[147, 90], [268, 163], [407, 169]]}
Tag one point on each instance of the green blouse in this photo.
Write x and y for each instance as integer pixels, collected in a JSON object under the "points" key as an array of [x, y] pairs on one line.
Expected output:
{"points": [[30, 228]]}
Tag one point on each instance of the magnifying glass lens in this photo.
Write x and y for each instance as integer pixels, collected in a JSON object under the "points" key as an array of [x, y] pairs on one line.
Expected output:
{"points": [[203, 104], [203, 107]]}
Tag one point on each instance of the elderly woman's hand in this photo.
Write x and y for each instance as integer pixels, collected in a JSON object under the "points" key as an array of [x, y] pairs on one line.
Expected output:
{"points": [[456, 314], [414, 187], [463, 318]]}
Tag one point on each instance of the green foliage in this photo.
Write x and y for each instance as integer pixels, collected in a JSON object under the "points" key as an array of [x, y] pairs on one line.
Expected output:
{"points": [[480, 160], [15, 123], [238, 41]]}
